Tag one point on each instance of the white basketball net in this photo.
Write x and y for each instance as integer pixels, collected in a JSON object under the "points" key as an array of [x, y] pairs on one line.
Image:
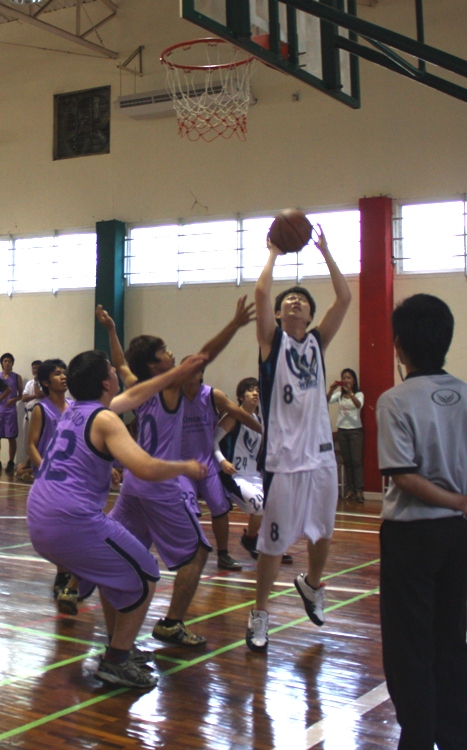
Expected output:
{"points": [[210, 96]]}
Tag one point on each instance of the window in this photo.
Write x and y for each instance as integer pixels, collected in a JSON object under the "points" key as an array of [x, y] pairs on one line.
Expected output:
{"points": [[208, 252], [5, 260], [39, 264], [76, 256], [82, 123], [235, 250], [430, 237]]}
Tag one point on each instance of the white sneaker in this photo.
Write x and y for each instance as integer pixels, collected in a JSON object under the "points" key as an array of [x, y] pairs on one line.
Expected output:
{"points": [[313, 599], [257, 630]]}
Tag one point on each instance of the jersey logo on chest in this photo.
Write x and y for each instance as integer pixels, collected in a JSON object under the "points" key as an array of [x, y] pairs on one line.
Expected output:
{"points": [[303, 368], [250, 443]]}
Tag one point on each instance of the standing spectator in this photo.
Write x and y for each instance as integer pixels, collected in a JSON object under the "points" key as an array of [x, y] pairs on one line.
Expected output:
{"points": [[421, 426], [31, 394], [349, 431], [8, 413]]}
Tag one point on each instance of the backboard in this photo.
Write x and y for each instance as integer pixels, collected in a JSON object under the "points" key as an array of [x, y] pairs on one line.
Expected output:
{"points": [[320, 43], [288, 39]]}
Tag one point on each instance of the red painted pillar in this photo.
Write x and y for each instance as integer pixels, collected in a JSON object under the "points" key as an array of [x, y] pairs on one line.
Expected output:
{"points": [[376, 305]]}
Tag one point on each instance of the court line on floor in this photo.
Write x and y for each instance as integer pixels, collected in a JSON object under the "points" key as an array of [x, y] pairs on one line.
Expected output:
{"points": [[356, 531], [174, 670], [180, 667], [334, 720]]}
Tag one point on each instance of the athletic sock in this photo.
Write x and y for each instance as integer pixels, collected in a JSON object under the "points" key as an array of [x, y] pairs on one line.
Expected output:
{"points": [[222, 552], [169, 623], [61, 579], [116, 655]]}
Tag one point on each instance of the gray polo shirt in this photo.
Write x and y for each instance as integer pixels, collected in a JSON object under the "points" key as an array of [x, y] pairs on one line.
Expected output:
{"points": [[422, 429]]}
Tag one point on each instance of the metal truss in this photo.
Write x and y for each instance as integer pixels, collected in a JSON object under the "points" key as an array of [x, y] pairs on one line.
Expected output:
{"points": [[31, 13]]}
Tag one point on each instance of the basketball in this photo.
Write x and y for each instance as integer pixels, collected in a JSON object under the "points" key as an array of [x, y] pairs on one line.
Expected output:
{"points": [[290, 231]]}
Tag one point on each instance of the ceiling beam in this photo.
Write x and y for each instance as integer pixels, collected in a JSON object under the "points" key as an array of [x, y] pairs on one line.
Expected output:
{"points": [[14, 14], [110, 5], [40, 9], [96, 26]]}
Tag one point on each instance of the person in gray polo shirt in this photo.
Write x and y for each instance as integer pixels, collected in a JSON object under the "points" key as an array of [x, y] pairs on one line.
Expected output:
{"points": [[422, 435]]}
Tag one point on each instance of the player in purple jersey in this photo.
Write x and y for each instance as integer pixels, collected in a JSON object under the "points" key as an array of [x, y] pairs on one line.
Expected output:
{"points": [[43, 422], [163, 517], [8, 413], [66, 504], [202, 405]]}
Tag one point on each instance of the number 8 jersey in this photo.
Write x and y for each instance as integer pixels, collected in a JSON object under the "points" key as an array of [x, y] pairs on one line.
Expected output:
{"points": [[298, 433]]}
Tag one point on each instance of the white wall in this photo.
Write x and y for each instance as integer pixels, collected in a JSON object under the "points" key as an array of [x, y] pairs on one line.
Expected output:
{"points": [[407, 141]]}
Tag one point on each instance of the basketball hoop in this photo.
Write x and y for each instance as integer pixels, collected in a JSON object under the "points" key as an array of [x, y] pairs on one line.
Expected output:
{"points": [[209, 82]]}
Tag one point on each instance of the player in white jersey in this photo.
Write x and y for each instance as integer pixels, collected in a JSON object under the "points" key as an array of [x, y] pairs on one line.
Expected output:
{"points": [[237, 449], [300, 480]]}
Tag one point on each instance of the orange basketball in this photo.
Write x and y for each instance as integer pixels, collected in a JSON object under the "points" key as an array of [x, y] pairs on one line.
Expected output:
{"points": [[290, 231]]}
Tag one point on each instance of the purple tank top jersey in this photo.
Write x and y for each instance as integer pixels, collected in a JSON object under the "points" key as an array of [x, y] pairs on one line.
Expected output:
{"points": [[160, 435], [51, 415], [12, 382], [200, 420], [74, 476]]}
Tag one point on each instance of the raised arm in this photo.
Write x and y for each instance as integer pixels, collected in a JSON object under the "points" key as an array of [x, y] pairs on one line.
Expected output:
{"points": [[224, 404], [333, 318], [109, 434], [244, 314], [265, 318], [116, 349], [141, 392]]}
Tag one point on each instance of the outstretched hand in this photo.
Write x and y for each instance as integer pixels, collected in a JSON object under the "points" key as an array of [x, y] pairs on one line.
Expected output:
{"points": [[192, 364], [227, 467], [104, 318], [244, 313], [194, 470], [273, 248], [321, 242]]}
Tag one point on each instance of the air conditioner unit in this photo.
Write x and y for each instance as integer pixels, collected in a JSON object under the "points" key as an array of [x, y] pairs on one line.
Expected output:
{"points": [[156, 103], [151, 103]]}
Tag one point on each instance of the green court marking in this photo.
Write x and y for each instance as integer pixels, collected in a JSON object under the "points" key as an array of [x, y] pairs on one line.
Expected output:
{"points": [[181, 665], [41, 670], [99, 648], [299, 621], [206, 580], [60, 714], [350, 570], [15, 546], [44, 634]]}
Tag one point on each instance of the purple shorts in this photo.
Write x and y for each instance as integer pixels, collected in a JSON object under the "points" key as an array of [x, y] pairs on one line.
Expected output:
{"points": [[9, 423], [170, 524], [212, 491], [99, 552], [189, 494]]}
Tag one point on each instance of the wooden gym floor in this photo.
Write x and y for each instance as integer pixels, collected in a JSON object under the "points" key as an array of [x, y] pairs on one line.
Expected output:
{"points": [[316, 688]]}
